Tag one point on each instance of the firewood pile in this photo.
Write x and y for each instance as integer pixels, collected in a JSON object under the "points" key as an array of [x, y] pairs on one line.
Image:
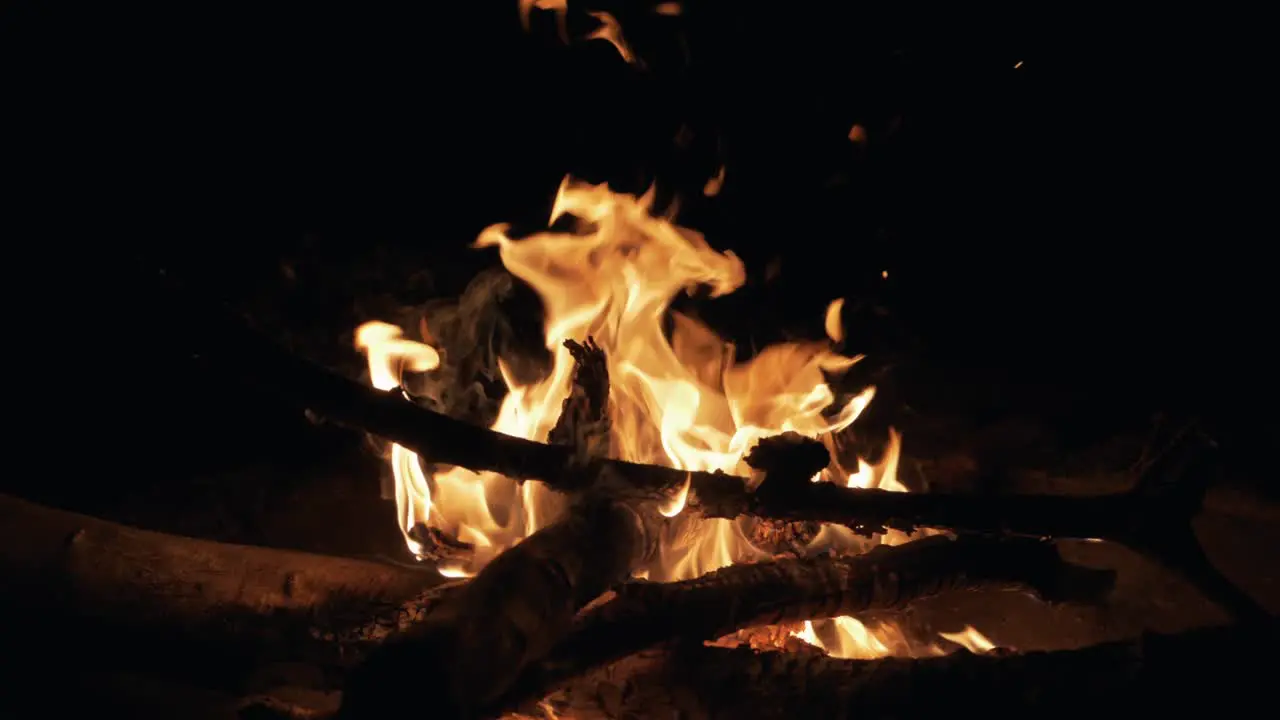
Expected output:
{"points": [[556, 626]]}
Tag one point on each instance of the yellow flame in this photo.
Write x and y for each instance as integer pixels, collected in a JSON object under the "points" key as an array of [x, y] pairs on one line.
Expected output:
{"points": [[674, 507], [970, 639], [678, 396], [850, 639], [390, 355], [834, 327]]}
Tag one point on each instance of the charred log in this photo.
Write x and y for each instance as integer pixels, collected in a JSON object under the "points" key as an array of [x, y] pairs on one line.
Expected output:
{"points": [[643, 615], [1149, 674], [584, 416], [473, 646]]}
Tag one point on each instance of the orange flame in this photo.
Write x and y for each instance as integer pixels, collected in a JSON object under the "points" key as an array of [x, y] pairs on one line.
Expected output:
{"points": [[970, 639], [609, 28], [714, 183], [611, 31], [677, 399]]}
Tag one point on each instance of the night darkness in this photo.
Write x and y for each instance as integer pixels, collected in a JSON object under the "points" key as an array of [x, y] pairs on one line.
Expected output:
{"points": [[1051, 234], [1072, 228]]}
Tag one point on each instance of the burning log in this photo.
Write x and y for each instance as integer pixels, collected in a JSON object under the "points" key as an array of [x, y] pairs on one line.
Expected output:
{"points": [[473, 646], [1153, 519], [584, 417], [644, 615], [73, 566], [1148, 673]]}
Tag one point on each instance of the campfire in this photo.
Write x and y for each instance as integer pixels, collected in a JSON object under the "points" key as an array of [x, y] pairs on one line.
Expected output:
{"points": [[651, 527], [654, 523], [694, 505], [649, 385]]}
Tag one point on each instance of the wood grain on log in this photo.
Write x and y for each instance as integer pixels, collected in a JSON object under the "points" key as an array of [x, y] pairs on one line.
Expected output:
{"points": [[643, 615]]}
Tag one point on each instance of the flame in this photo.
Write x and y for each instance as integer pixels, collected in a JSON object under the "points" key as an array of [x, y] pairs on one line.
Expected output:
{"points": [[678, 397], [611, 31], [526, 7], [714, 183], [609, 28], [832, 324], [677, 503], [848, 638], [852, 640], [970, 639], [389, 356]]}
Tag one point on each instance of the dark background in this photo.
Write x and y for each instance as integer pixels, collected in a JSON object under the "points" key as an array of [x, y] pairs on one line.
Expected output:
{"points": [[1078, 236]]}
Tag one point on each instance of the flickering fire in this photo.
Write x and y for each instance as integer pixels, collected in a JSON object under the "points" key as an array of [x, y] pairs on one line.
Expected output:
{"points": [[970, 639], [677, 395], [608, 28]]}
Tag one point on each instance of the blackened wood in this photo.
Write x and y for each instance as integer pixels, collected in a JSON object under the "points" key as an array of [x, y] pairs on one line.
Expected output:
{"points": [[472, 647], [643, 615], [1147, 676], [584, 415]]}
